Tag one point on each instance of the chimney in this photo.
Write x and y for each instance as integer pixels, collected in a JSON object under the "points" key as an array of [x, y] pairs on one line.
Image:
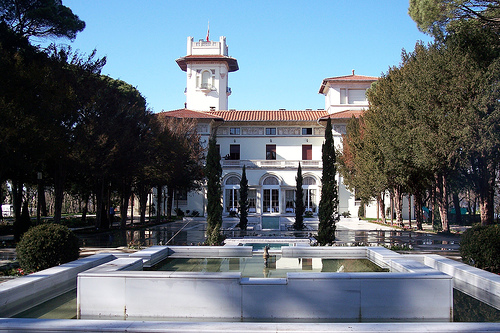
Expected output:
{"points": [[353, 72], [185, 105]]}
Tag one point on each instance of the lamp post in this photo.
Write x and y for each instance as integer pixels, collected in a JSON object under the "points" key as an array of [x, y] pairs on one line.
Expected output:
{"points": [[38, 203]]}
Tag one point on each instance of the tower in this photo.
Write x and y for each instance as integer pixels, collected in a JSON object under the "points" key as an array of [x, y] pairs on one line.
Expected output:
{"points": [[207, 65]]}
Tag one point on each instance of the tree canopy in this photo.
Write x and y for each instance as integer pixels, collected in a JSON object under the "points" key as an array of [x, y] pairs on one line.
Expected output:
{"points": [[436, 17], [432, 124], [40, 18], [328, 214]]}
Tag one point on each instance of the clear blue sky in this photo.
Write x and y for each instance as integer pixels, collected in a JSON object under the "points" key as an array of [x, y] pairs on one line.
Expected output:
{"points": [[284, 48]]}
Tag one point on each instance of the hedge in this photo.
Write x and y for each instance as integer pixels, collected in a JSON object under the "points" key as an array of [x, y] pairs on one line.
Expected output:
{"points": [[480, 247], [45, 246]]}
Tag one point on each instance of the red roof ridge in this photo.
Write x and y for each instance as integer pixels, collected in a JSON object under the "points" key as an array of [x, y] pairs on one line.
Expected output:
{"points": [[186, 113]]}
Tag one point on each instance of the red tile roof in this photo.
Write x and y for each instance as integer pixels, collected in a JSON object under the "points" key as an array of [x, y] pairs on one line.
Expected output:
{"points": [[231, 62], [346, 78], [347, 114], [261, 115], [186, 113], [351, 78]]}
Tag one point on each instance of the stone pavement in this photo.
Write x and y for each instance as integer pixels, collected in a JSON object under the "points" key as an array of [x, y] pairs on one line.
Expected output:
{"points": [[357, 224]]}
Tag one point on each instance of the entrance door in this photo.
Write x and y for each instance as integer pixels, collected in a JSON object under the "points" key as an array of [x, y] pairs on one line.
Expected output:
{"points": [[271, 200], [271, 196]]}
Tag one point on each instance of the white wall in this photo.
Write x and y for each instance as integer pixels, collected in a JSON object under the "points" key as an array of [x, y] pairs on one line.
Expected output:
{"points": [[414, 292]]}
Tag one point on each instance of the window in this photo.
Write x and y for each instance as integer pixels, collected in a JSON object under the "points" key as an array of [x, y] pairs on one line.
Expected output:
{"points": [[232, 199], [343, 96], [357, 96], [234, 131], [310, 188], [271, 200], [306, 152], [233, 181], [271, 195], [252, 199], [290, 201], [206, 80], [232, 189], [234, 152], [271, 181], [271, 131], [270, 152], [307, 131]]}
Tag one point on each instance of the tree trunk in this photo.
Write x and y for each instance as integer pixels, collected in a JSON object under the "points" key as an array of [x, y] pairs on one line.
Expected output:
{"points": [[392, 208], [17, 198], [442, 200], [170, 197], [142, 193], [381, 206], [124, 199], [158, 203], [409, 211], [101, 214], [398, 205], [486, 207], [59, 180], [458, 213], [85, 208], [417, 202], [43, 202]]}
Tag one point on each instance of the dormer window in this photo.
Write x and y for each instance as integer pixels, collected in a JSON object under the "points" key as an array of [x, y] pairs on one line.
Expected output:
{"points": [[353, 96]]}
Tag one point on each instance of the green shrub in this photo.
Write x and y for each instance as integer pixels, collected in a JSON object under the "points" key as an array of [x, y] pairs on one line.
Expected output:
{"points": [[480, 247], [45, 246]]}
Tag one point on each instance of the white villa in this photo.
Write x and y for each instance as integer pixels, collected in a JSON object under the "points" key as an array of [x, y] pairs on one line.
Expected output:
{"points": [[269, 143]]}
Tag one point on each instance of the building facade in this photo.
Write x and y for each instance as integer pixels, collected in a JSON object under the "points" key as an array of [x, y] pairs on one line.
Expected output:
{"points": [[270, 144]]}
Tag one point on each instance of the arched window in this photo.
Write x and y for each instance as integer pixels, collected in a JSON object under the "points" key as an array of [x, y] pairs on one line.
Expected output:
{"points": [[206, 80], [271, 195], [231, 194], [309, 181], [310, 190], [233, 181], [271, 181]]}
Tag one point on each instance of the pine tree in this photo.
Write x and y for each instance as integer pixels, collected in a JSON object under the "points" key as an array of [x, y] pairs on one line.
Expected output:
{"points": [[328, 205], [243, 200], [213, 172], [299, 201]]}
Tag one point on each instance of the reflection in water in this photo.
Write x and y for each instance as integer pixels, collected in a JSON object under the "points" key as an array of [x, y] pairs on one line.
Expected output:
{"points": [[276, 267], [193, 233]]}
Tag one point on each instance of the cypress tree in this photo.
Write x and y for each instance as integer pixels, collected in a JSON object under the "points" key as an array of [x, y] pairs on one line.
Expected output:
{"points": [[243, 200], [328, 205], [213, 172], [299, 201]]}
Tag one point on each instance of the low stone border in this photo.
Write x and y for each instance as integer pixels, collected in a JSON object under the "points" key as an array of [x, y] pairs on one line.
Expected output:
{"points": [[33, 289], [38, 325]]}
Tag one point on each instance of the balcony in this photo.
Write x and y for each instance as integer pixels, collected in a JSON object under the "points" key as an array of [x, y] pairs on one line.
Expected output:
{"points": [[206, 87], [272, 164]]}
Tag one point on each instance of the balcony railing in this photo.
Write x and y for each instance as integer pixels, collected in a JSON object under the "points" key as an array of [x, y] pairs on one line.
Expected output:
{"points": [[277, 164]]}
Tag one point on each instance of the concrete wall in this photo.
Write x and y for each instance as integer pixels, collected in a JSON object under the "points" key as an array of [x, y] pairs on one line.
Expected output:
{"points": [[418, 293], [30, 290]]}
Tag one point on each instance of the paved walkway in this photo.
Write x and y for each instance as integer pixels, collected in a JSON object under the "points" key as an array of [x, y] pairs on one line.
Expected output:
{"points": [[357, 224]]}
